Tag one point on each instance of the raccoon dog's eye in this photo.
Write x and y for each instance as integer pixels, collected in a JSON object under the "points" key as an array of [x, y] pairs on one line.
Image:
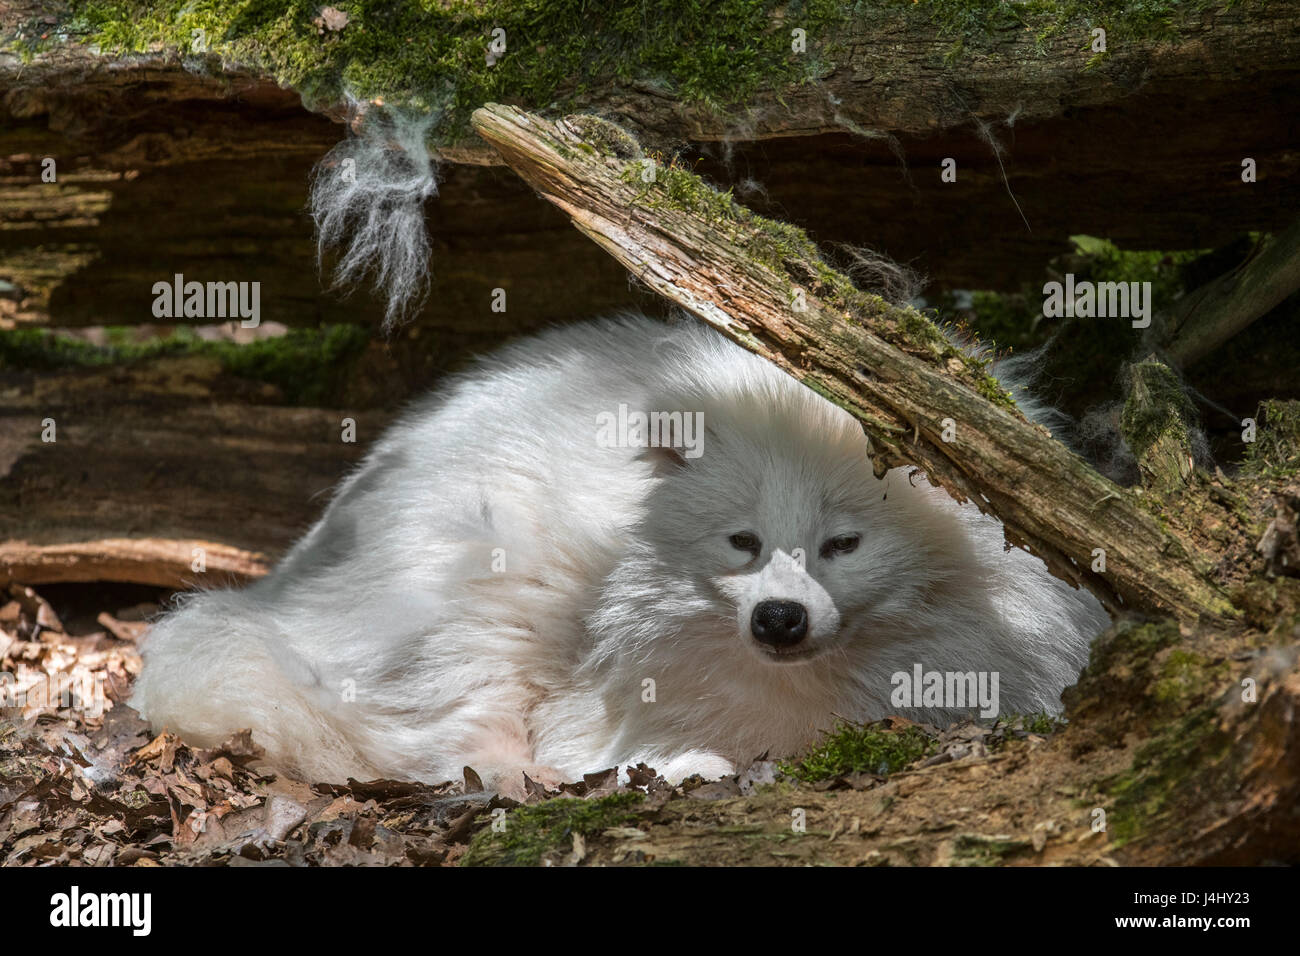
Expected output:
{"points": [[841, 544], [745, 541]]}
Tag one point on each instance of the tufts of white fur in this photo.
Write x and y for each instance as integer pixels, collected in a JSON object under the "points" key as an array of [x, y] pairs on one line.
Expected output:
{"points": [[871, 271], [367, 198], [1022, 375], [495, 587]]}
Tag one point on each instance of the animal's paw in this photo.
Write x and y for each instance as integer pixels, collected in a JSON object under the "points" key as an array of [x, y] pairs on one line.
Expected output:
{"points": [[708, 765]]}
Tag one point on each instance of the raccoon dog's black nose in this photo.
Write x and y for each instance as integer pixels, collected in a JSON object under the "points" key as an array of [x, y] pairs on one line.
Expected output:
{"points": [[779, 623]]}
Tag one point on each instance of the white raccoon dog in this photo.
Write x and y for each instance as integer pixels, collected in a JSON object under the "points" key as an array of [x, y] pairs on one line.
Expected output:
{"points": [[502, 587]]}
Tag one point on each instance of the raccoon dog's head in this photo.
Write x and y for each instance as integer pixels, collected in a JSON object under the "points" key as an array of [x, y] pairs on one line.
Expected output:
{"points": [[779, 527]]}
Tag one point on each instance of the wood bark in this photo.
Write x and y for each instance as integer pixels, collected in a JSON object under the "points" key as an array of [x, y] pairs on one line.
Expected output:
{"points": [[166, 563], [1207, 317], [894, 72], [1046, 497]]}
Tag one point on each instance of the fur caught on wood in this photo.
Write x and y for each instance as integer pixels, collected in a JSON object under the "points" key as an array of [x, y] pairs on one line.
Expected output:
{"points": [[367, 199]]}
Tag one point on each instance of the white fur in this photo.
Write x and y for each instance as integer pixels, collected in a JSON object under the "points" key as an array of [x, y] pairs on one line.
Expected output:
{"points": [[367, 197], [618, 571]]}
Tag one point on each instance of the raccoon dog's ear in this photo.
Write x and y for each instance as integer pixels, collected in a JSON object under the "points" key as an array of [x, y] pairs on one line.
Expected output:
{"points": [[664, 461], [679, 439]]}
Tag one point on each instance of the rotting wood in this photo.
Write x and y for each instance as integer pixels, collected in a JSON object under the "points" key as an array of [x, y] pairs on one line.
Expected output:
{"points": [[166, 563]]}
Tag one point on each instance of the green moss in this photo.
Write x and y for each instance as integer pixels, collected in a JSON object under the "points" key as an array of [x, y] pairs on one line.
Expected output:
{"points": [[820, 389], [1142, 675], [1129, 643], [1148, 796], [921, 330], [1272, 605], [860, 749], [1185, 675], [1087, 356], [1142, 671], [603, 137], [433, 56], [1117, 675], [1102, 261], [307, 365], [1041, 723], [988, 386], [976, 25], [1275, 452], [1014, 320], [533, 831], [674, 187], [973, 849], [1156, 423]]}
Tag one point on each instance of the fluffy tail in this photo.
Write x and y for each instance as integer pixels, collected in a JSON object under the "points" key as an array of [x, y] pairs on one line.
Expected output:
{"points": [[215, 666], [367, 197]]}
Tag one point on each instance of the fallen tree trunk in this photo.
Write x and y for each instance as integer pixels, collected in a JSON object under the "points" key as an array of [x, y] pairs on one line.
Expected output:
{"points": [[921, 400], [871, 69], [1207, 317]]}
